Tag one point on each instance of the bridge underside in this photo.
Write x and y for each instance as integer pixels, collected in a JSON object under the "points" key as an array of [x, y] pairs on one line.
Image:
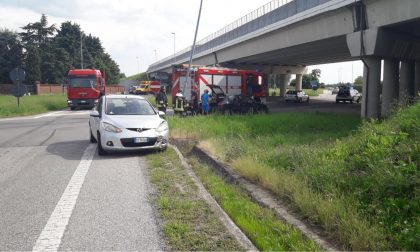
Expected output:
{"points": [[318, 52]]}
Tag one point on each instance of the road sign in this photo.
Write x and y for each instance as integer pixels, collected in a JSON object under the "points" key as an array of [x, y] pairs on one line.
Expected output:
{"points": [[19, 90], [17, 74]]}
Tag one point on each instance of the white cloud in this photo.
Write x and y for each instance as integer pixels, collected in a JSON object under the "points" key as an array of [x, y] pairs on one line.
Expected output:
{"points": [[133, 28]]}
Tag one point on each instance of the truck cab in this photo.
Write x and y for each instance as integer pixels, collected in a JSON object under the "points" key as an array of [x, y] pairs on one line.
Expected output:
{"points": [[84, 88]]}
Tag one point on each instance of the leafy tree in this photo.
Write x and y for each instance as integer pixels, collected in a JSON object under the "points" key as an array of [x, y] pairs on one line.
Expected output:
{"points": [[358, 81], [10, 54], [315, 74], [307, 78], [33, 65], [68, 38], [50, 52], [37, 33]]}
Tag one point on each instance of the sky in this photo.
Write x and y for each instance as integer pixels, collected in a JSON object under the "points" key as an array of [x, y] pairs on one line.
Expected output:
{"points": [[136, 32]]}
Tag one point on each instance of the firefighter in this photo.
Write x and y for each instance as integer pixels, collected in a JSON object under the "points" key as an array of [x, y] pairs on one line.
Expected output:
{"points": [[179, 102], [162, 100], [194, 101]]}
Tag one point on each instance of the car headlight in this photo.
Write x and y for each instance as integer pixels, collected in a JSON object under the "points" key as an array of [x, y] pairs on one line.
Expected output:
{"points": [[162, 127], [110, 128]]}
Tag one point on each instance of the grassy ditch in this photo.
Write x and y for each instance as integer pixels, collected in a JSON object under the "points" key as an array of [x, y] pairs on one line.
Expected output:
{"points": [[30, 105], [360, 182], [188, 222], [260, 224]]}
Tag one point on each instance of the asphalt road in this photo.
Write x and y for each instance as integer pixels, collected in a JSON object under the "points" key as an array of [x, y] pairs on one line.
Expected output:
{"points": [[321, 103], [57, 193]]}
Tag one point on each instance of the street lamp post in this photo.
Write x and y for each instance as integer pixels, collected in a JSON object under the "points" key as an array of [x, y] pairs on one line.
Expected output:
{"points": [[155, 55], [173, 33], [138, 64]]}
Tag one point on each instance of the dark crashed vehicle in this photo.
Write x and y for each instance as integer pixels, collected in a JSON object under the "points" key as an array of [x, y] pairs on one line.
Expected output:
{"points": [[241, 104]]}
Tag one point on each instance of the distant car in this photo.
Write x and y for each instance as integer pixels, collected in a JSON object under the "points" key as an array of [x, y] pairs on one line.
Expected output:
{"points": [[143, 89], [127, 122], [296, 96], [242, 105], [132, 90], [335, 90], [348, 94]]}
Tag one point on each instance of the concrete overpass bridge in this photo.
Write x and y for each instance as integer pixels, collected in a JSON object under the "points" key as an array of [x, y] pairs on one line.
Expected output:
{"points": [[284, 36]]}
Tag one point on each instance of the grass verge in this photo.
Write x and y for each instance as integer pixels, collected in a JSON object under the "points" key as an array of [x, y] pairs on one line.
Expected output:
{"points": [[260, 224], [360, 182], [188, 222], [30, 105]]}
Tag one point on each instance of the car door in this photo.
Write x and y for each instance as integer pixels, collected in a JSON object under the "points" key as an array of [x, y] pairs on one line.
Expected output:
{"points": [[95, 121]]}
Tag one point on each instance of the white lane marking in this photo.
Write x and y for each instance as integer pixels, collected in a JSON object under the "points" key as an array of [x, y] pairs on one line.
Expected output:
{"points": [[47, 114], [51, 235]]}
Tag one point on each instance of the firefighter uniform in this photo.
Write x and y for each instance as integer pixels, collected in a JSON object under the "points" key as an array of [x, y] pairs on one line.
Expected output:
{"points": [[179, 103], [162, 100]]}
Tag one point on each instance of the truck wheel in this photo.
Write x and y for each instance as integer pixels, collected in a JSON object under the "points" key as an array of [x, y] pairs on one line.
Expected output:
{"points": [[72, 108]]}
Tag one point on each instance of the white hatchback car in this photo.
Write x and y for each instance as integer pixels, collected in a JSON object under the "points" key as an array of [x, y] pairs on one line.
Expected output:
{"points": [[127, 122]]}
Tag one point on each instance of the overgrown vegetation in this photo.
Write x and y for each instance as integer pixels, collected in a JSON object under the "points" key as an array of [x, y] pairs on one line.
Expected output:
{"points": [[260, 224], [30, 105], [360, 183], [137, 77], [188, 222]]}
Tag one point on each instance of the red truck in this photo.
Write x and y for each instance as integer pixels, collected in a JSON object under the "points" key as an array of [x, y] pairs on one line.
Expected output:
{"points": [[231, 81], [84, 87]]}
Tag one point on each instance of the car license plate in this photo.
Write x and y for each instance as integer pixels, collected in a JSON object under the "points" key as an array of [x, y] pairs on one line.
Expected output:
{"points": [[140, 140], [82, 101]]}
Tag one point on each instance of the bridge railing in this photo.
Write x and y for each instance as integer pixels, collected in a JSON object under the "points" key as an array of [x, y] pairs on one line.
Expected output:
{"points": [[267, 14]]}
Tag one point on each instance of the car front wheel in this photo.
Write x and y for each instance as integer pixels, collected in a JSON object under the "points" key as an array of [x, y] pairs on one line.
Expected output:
{"points": [[101, 150], [92, 138]]}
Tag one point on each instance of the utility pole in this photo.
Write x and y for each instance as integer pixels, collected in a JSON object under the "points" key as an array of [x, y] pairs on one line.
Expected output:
{"points": [[81, 49], [173, 33], [193, 47]]}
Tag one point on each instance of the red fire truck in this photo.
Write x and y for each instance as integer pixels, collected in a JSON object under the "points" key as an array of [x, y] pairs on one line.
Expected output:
{"points": [[231, 81], [84, 87]]}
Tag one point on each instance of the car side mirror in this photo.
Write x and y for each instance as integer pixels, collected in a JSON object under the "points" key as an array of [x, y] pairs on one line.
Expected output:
{"points": [[94, 113], [161, 114]]}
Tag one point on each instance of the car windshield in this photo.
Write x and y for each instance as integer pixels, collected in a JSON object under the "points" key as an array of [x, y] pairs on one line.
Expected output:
{"points": [[128, 106], [291, 92], [87, 81], [143, 86], [217, 90]]}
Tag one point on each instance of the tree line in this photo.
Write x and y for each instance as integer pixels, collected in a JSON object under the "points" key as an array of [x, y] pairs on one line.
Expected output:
{"points": [[47, 52]]}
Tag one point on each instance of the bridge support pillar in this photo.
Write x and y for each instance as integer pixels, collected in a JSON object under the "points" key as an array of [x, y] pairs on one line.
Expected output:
{"points": [[390, 86], [283, 84], [406, 91], [417, 79], [371, 88], [298, 82]]}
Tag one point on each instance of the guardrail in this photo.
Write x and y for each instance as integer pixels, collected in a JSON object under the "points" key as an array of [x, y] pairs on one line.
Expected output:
{"points": [[268, 14]]}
